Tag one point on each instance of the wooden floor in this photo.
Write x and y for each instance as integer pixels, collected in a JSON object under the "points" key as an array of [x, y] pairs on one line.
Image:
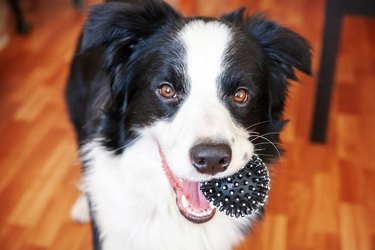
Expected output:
{"points": [[322, 197]]}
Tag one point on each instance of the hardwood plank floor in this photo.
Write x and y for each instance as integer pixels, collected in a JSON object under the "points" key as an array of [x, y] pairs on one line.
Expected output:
{"points": [[322, 197]]}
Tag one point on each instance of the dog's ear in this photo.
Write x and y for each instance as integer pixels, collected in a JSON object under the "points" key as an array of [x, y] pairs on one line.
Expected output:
{"points": [[285, 51], [116, 29], [235, 16], [121, 26], [124, 21]]}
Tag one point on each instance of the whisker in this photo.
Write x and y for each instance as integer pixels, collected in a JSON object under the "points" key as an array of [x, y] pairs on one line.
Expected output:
{"points": [[277, 150], [267, 155], [259, 149], [276, 143], [271, 133], [120, 148], [258, 123], [253, 133]]}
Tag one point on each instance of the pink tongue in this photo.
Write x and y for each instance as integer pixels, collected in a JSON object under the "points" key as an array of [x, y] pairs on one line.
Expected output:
{"points": [[194, 195]]}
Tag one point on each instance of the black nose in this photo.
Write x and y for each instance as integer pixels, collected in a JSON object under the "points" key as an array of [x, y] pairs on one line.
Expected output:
{"points": [[211, 158]]}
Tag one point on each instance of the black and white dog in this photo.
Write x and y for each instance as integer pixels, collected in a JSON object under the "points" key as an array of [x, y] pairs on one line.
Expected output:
{"points": [[160, 103]]}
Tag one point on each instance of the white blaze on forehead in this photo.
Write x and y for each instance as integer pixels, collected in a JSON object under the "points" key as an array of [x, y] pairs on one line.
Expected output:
{"points": [[203, 115], [205, 44]]}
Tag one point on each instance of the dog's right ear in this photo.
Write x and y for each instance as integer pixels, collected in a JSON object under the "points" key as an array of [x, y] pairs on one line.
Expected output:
{"points": [[117, 29], [235, 16], [124, 25]]}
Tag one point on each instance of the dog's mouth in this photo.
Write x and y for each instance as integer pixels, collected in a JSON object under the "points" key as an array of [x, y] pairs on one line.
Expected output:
{"points": [[189, 198]]}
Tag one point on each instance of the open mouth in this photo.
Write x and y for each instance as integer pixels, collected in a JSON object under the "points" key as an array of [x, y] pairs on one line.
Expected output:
{"points": [[189, 198]]}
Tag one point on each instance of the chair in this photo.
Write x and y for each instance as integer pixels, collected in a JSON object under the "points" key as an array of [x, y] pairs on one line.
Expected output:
{"points": [[335, 10]]}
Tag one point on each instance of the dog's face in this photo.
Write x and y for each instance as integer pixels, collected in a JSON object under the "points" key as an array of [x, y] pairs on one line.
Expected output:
{"points": [[210, 92]]}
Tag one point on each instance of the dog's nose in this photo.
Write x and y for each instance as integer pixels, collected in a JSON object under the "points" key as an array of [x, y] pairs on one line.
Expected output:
{"points": [[211, 158]]}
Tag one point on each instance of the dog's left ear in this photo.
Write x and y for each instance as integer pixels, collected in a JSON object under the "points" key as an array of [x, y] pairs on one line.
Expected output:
{"points": [[285, 51]]}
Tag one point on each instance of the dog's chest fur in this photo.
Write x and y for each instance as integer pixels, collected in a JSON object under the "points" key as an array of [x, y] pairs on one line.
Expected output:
{"points": [[135, 207]]}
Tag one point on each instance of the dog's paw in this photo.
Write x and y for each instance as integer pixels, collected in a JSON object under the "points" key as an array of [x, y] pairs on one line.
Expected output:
{"points": [[80, 212]]}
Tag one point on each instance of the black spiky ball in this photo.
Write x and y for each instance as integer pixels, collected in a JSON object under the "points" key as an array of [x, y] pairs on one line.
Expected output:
{"points": [[242, 193]]}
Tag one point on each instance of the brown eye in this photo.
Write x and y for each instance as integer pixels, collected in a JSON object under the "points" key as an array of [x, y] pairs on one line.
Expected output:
{"points": [[241, 96], [167, 91]]}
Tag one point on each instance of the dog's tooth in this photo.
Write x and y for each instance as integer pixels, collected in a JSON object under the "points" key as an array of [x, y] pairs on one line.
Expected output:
{"points": [[198, 213], [206, 212], [203, 213], [184, 201], [189, 210], [193, 212]]}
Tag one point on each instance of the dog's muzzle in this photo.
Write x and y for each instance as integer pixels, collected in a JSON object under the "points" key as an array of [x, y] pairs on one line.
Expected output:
{"points": [[189, 198]]}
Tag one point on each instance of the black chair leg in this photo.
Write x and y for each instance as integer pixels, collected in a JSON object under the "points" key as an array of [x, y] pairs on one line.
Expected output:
{"points": [[22, 26], [78, 4], [326, 72]]}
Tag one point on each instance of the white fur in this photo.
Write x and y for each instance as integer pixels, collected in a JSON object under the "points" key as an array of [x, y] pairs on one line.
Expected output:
{"points": [[80, 212], [133, 202]]}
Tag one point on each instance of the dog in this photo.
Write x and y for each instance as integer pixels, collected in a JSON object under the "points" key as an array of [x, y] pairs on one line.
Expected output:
{"points": [[162, 102]]}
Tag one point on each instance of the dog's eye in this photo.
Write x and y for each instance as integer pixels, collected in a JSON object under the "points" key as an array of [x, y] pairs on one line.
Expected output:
{"points": [[241, 96], [167, 91]]}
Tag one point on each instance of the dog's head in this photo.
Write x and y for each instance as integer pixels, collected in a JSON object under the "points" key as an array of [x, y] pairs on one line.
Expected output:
{"points": [[209, 91]]}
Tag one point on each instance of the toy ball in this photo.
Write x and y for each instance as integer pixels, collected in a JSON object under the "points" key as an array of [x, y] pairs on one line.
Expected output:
{"points": [[242, 193]]}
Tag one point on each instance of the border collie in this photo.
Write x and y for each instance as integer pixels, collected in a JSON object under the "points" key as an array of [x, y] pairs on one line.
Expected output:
{"points": [[160, 103]]}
